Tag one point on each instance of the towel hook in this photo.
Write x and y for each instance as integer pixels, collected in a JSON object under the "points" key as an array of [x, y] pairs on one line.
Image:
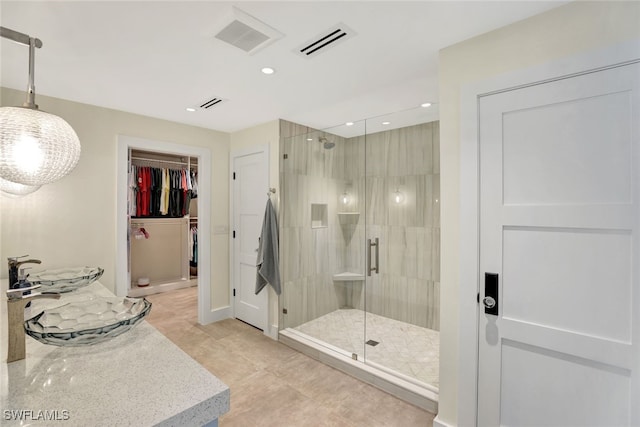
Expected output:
{"points": [[271, 191]]}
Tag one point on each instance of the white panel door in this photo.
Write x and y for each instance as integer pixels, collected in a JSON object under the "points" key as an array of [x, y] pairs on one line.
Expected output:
{"points": [[250, 186], [559, 224]]}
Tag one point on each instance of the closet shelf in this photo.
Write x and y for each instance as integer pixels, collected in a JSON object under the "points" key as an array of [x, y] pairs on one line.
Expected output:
{"points": [[348, 277]]}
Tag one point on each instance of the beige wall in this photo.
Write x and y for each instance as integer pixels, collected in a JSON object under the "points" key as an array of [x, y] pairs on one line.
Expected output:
{"points": [[264, 134], [72, 222], [571, 29]]}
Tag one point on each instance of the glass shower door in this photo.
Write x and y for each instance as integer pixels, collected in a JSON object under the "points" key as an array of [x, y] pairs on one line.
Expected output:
{"points": [[401, 191], [322, 230], [360, 239]]}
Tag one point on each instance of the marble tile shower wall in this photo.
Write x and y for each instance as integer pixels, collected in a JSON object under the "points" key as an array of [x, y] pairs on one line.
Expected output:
{"points": [[406, 160], [311, 175], [407, 288]]}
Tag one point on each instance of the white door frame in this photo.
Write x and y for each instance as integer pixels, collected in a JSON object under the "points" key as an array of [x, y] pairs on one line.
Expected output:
{"points": [[469, 197], [258, 148], [204, 214]]}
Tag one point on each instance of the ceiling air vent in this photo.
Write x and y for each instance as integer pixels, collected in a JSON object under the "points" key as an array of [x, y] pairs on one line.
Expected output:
{"points": [[323, 42], [246, 32], [211, 102]]}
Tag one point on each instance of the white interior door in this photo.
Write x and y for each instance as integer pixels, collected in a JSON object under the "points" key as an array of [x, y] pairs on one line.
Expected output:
{"points": [[559, 224], [250, 185]]}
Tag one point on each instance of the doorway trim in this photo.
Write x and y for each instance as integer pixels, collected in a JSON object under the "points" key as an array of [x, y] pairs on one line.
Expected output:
{"points": [[258, 148], [204, 214], [467, 368]]}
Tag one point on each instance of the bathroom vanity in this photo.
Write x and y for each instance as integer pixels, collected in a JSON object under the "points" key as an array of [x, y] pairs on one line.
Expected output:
{"points": [[139, 378]]}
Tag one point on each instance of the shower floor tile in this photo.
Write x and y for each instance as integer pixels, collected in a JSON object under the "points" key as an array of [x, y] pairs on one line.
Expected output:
{"points": [[404, 348]]}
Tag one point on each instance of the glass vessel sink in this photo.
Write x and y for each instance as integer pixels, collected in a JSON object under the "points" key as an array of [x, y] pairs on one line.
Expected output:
{"points": [[87, 322], [65, 279]]}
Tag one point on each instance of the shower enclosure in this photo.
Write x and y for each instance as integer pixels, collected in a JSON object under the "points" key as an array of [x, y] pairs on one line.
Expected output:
{"points": [[360, 235]]}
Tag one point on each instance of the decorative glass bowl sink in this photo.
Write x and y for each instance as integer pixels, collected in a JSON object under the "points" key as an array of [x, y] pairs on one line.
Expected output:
{"points": [[87, 322], [65, 279]]}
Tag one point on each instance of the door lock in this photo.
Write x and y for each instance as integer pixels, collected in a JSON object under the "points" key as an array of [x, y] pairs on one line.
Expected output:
{"points": [[490, 299]]}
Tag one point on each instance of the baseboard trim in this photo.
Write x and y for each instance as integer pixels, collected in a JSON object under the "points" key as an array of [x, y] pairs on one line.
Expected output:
{"points": [[272, 332], [217, 315], [404, 390], [438, 423], [158, 288]]}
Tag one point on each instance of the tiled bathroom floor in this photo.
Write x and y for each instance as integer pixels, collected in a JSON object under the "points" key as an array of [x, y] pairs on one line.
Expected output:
{"points": [[272, 384], [404, 348]]}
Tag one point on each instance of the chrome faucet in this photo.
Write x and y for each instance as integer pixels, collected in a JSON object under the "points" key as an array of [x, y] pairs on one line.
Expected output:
{"points": [[16, 303], [14, 264]]}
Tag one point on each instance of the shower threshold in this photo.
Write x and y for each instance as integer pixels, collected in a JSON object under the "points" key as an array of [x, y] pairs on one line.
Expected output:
{"points": [[399, 385]]}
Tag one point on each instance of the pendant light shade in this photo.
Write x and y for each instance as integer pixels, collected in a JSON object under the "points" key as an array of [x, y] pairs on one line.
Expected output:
{"points": [[14, 189], [36, 147]]}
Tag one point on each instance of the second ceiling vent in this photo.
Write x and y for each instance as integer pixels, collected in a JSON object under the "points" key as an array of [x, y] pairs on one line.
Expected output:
{"points": [[325, 41], [211, 102]]}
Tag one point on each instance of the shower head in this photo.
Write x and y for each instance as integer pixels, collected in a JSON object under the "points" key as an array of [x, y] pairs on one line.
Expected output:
{"points": [[328, 145]]}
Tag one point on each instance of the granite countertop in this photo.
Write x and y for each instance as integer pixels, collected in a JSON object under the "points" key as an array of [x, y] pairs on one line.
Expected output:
{"points": [[139, 378]]}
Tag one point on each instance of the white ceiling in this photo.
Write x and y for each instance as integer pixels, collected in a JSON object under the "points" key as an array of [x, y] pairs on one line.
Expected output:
{"points": [[156, 58]]}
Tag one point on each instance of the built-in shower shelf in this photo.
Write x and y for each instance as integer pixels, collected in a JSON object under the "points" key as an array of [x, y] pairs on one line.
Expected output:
{"points": [[348, 277], [348, 218]]}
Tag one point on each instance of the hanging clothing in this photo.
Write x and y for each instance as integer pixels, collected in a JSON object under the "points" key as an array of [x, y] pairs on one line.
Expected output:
{"points": [[155, 192], [193, 246], [133, 189], [194, 184], [142, 205], [164, 197], [267, 262], [152, 192], [185, 190]]}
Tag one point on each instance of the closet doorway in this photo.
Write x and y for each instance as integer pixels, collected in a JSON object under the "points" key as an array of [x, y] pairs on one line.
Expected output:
{"points": [[156, 243], [163, 222]]}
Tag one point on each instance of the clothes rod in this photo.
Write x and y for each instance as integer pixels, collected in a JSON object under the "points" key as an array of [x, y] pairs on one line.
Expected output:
{"points": [[161, 161]]}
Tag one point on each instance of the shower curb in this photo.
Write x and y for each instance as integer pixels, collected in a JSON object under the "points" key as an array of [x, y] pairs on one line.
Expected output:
{"points": [[404, 390]]}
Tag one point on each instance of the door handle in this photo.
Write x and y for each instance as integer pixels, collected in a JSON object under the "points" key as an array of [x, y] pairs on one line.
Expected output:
{"points": [[377, 245], [489, 302], [370, 245], [368, 257], [490, 299]]}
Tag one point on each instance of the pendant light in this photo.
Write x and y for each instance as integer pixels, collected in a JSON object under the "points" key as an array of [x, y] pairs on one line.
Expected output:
{"points": [[14, 189], [398, 197], [344, 198], [36, 147]]}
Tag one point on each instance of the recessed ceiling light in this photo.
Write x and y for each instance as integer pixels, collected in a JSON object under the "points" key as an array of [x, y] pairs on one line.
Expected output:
{"points": [[268, 70], [309, 139], [386, 123], [426, 104], [349, 123], [190, 109]]}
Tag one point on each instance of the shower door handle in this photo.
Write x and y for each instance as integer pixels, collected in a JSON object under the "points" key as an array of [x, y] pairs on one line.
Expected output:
{"points": [[370, 244]]}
